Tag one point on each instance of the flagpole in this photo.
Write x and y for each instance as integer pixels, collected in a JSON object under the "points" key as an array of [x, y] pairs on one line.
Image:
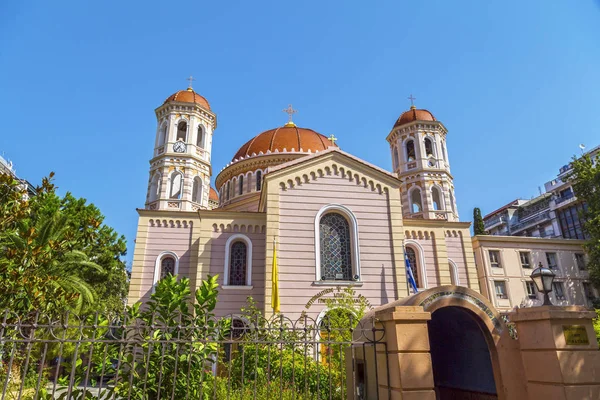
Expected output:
{"points": [[407, 283]]}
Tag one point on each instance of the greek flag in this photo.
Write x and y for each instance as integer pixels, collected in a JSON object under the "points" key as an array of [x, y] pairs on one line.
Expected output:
{"points": [[410, 276]]}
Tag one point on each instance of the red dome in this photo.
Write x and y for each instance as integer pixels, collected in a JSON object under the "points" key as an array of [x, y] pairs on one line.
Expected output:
{"points": [[414, 115], [188, 96], [286, 137], [213, 195]]}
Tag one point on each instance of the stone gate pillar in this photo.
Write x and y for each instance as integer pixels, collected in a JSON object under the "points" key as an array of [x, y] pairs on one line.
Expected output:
{"points": [[559, 351]]}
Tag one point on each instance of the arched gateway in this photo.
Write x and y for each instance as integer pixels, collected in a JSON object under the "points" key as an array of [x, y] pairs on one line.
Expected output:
{"points": [[445, 341]]}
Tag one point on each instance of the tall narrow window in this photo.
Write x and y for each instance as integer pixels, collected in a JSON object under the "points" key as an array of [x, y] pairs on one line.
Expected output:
{"points": [[200, 138], [258, 180], [551, 260], [227, 191], [580, 260], [154, 185], [500, 287], [197, 190], [415, 201], [452, 202], [411, 256], [436, 199], [396, 162], [410, 150], [176, 185], [525, 257], [182, 131], [336, 254], [495, 258], [238, 264], [444, 151], [428, 147], [241, 185], [559, 290], [530, 289], [167, 266], [162, 135]]}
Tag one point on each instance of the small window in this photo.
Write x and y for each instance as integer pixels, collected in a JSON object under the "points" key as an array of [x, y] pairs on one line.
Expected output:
{"points": [[182, 131], [241, 185], [495, 259], [428, 147], [410, 150], [551, 260], [415, 201], [238, 264], [162, 136], [559, 290], [227, 191], [588, 291], [396, 162], [580, 260], [500, 287], [258, 180], [436, 199], [530, 289], [167, 266], [154, 187], [176, 185], [200, 138], [444, 151], [525, 259], [197, 190]]}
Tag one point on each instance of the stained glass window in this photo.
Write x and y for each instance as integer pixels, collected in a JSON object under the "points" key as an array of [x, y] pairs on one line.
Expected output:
{"points": [[237, 264], [167, 266], [412, 259], [336, 259]]}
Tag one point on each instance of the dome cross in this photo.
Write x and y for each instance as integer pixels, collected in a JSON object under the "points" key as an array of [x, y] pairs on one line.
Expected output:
{"points": [[412, 100], [332, 139], [191, 79], [290, 111]]}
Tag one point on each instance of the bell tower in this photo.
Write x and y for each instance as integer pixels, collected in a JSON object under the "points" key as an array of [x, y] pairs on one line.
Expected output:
{"points": [[180, 168], [419, 158]]}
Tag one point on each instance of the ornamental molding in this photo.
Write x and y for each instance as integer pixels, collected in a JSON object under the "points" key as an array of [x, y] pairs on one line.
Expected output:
{"points": [[169, 223], [253, 163], [238, 227]]}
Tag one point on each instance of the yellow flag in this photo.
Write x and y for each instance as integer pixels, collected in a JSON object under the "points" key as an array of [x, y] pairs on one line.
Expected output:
{"points": [[275, 281]]}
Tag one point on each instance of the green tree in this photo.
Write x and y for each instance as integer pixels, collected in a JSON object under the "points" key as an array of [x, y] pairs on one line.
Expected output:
{"points": [[585, 177], [478, 226]]}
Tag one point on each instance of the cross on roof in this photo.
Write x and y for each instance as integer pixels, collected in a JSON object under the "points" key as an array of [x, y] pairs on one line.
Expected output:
{"points": [[412, 100], [290, 111], [191, 79], [332, 138]]}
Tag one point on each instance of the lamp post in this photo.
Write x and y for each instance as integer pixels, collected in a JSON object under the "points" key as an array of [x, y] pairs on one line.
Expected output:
{"points": [[543, 277]]}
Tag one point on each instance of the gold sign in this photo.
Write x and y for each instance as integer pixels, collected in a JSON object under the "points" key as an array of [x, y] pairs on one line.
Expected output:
{"points": [[575, 334]]}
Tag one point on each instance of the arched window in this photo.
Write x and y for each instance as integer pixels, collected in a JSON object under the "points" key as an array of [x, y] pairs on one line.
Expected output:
{"points": [[241, 184], [227, 191], [336, 254], [233, 182], [200, 138], [162, 135], [411, 256], [453, 273], [444, 152], [197, 190], [176, 185], [154, 187], [166, 263], [410, 150], [249, 182], [182, 131], [238, 261], [415, 201], [167, 266], [428, 147], [396, 162], [258, 180], [452, 201], [436, 198]]}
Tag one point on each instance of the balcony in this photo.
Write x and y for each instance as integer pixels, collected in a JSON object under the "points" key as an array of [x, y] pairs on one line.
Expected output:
{"points": [[494, 221], [564, 200], [545, 216]]}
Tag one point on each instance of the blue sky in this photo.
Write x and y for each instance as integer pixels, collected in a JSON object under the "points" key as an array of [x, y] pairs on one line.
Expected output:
{"points": [[516, 83]]}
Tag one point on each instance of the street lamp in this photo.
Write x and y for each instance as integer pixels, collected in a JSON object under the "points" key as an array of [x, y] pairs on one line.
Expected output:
{"points": [[543, 278]]}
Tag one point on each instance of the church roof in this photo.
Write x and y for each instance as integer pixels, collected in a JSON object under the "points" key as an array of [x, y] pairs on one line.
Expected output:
{"points": [[213, 195], [286, 138], [414, 114], [188, 96]]}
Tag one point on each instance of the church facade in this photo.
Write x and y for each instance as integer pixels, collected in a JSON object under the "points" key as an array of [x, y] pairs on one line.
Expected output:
{"points": [[336, 220]]}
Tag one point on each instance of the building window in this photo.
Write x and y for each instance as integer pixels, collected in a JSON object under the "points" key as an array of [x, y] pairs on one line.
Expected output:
{"points": [[415, 201], [436, 199], [154, 187], [182, 131], [258, 180], [410, 150], [495, 258], [525, 257], [500, 287], [241, 184], [336, 254], [167, 263], [452, 205], [411, 256], [551, 260], [530, 289], [395, 155], [571, 225], [559, 290], [167, 266], [444, 152], [428, 147], [162, 135], [227, 191], [197, 190], [200, 139], [588, 291], [238, 261], [580, 261], [176, 185], [237, 264]]}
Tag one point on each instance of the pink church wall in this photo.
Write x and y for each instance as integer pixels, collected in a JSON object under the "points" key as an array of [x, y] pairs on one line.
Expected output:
{"points": [[296, 253], [176, 238], [428, 245], [455, 253], [230, 300]]}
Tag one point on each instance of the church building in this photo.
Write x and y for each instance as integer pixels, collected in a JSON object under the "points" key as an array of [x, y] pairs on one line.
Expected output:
{"points": [[337, 221]]}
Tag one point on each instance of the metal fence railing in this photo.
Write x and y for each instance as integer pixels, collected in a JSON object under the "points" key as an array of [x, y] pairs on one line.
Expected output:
{"points": [[97, 357]]}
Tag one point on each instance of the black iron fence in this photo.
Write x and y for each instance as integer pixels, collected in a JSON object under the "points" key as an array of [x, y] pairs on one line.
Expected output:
{"points": [[96, 357]]}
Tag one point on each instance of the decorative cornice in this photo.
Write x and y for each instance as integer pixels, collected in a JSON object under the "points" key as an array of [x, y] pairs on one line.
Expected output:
{"points": [[481, 239]]}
